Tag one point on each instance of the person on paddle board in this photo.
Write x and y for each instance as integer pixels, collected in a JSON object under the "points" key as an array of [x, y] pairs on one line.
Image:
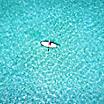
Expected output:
{"points": [[49, 44]]}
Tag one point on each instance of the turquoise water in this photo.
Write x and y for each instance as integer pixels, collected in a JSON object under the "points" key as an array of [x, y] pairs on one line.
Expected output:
{"points": [[70, 74]]}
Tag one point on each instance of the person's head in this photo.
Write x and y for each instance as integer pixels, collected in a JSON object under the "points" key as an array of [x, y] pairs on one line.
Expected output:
{"points": [[49, 43]]}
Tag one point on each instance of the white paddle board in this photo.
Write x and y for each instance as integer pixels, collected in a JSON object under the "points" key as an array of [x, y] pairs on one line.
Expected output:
{"points": [[48, 44]]}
